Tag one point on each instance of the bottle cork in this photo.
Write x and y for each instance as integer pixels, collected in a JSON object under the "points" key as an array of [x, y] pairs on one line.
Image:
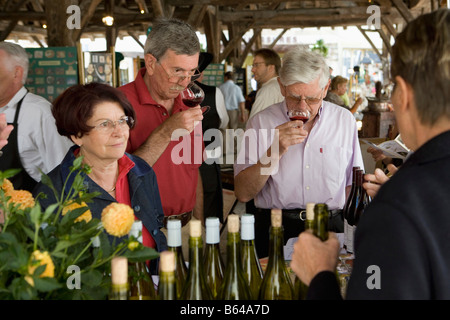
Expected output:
{"points": [[195, 228], [167, 261], [119, 270], [310, 210], [276, 218], [233, 223]]}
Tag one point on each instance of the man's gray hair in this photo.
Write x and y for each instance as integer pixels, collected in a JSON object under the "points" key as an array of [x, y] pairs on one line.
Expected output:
{"points": [[173, 34], [301, 65], [18, 57]]}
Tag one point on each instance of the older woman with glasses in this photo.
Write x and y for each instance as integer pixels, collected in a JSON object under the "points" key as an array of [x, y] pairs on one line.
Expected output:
{"points": [[98, 119], [287, 164]]}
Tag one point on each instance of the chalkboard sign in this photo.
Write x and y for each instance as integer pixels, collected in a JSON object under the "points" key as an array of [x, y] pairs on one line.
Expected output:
{"points": [[52, 70]]}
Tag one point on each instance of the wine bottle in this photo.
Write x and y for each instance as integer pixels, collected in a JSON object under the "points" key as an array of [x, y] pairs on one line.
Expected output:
{"points": [[174, 245], [213, 262], [250, 262], [351, 210], [119, 279], [196, 287], [321, 216], [276, 283], [234, 285], [139, 276], [301, 289], [167, 286], [348, 219], [364, 201]]}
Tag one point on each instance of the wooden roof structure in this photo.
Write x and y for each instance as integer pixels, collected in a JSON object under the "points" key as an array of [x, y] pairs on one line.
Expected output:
{"points": [[27, 18]]}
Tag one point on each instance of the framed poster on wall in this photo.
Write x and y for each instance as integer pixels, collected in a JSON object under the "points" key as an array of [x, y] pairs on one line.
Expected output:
{"points": [[98, 67], [52, 70]]}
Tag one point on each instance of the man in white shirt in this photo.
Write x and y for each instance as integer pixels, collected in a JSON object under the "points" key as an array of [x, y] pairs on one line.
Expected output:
{"points": [[35, 143], [266, 65]]}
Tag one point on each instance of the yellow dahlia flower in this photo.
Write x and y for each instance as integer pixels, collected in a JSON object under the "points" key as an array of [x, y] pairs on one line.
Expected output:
{"points": [[22, 197], [7, 186], [86, 216], [39, 258], [117, 219]]}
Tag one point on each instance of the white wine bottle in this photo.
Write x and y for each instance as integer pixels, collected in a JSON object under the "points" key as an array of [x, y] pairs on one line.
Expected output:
{"points": [[213, 262], [167, 286], [234, 286], [196, 287], [174, 244], [139, 276], [250, 262], [276, 284], [300, 288], [119, 279]]}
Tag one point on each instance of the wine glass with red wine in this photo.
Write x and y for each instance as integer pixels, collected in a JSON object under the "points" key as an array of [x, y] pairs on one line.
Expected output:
{"points": [[302, 115], [193, 95]]}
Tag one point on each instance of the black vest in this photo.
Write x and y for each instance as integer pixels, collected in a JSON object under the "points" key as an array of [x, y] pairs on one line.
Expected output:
{"points": [[11, 159], [211, 118]]}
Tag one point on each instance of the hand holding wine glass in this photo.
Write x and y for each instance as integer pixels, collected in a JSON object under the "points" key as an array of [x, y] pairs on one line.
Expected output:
{"points": [[193, 95]]}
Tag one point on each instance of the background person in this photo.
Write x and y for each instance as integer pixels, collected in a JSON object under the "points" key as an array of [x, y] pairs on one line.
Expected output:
{"points": [[5, 130], [266, 65], [338, 88], [404, 231], [35, 143], [216, 118], [314, 163], [98, 118]]}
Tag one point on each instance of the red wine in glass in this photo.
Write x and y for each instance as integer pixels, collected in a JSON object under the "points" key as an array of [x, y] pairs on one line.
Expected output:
{"points": [[193, 95], [304, 119], [299, 115]]}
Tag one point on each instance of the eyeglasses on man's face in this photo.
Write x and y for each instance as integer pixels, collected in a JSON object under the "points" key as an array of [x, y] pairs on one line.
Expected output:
{"points": [[294, 101], [256, 64], [179, 74], [108, 126]]}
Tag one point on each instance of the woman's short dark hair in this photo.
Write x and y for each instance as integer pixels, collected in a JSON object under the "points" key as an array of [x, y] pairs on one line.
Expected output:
{"points": [[75, 106], [336, 81]]}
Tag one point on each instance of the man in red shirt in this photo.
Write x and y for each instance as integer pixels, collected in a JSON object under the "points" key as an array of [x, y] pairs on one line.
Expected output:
{"points": [[168, 134]]}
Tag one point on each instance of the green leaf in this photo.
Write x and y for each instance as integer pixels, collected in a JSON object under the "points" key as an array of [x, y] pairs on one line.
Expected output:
{"points": [[46, 284], [91, 278], [141, 254]]}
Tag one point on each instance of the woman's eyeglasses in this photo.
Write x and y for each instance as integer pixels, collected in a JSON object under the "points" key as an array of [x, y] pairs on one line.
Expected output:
{"points": [[108, 126]]}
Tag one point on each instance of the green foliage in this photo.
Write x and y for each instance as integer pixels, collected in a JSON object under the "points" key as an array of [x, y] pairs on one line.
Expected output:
{"points": [[320, 47], [68, 243]]}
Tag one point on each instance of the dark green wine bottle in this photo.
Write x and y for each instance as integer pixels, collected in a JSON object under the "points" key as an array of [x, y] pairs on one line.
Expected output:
{"points": [[213, 262], [250, 261], [167, 286], [119, 279], [234, 285], [300, 288], [174, 245], [196, 287], [276, 284], [139, 276]]}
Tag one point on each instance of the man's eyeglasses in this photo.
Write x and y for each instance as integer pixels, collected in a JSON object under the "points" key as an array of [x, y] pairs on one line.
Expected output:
{"points": [[180, 75], [255, 65], [294, 101], [108, 126]]}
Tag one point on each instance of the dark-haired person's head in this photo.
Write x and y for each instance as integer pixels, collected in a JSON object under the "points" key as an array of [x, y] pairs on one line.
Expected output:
{"points": [[421, 57], [420, 69], [76, 105]]}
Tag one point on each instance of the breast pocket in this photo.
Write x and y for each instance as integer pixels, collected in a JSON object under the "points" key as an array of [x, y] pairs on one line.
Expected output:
{"points": [[334, 165]]}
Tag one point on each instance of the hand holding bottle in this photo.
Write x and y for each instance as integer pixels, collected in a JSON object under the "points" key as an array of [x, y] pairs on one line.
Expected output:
{"points": [[312, 255], [375, 180]]}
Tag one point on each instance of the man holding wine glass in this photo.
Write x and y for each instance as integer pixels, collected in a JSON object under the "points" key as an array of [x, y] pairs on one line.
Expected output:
{"points": [[171, 59], [310, 159], [401, 243]]}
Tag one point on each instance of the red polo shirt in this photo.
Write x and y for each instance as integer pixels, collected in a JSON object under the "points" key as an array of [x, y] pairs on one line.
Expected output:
{"points": [[177, 181]]}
